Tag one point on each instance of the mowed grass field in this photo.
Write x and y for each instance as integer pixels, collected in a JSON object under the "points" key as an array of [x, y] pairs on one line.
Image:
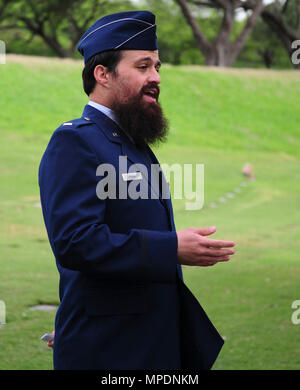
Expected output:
{"points": [[219, 118]]}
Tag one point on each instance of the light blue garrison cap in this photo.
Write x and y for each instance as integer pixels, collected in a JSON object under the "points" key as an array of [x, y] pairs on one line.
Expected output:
{"points": [[134, 30]]}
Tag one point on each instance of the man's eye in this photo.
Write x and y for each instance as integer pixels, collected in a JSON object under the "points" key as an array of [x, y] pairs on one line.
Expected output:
{"points": [[143, 67]]}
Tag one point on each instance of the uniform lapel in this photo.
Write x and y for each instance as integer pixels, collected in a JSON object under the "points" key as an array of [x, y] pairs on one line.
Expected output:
{"points": [[167, 200], [136, 156]]}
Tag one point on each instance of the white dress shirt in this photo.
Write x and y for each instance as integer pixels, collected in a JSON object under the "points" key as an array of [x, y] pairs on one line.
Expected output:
{"points": [[105, 110]]}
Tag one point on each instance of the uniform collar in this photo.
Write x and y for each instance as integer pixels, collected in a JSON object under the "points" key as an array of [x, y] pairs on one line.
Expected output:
{"points": [[109, 113]]}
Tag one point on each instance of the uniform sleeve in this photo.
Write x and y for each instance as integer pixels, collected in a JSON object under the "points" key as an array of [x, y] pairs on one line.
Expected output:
{"points": [[75, 221]]}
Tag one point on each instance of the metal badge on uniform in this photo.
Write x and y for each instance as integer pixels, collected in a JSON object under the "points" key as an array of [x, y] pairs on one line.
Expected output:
{"points": [[132, 176]]}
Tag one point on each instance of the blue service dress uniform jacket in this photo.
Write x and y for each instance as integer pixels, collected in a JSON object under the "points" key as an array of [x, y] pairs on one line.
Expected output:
{"points": [[123, 303]]}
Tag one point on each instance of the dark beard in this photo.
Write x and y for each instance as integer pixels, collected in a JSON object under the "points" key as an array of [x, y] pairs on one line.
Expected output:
{"points": [[144, 122]]}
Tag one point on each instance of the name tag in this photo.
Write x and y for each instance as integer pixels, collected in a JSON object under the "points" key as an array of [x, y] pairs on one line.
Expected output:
{"points": [[132, 176]]}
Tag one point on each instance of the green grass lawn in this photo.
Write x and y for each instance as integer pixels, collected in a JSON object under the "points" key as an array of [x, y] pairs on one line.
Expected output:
{"points": [[219, 118]]}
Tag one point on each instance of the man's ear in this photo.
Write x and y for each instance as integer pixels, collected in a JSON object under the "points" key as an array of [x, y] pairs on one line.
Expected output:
{"points": [[100, 74]]}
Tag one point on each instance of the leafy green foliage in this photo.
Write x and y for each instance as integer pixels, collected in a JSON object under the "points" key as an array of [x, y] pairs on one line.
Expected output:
{"points": [[264, 48], [62, 24], [58, 25]]}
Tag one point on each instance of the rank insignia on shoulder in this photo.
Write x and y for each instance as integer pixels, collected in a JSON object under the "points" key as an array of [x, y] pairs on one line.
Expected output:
{"points": [[115, 134], [68, 124], [86, 118]]}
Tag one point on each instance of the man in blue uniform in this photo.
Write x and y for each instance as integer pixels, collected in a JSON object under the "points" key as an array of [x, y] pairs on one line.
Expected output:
{"points": [[124, 304]]}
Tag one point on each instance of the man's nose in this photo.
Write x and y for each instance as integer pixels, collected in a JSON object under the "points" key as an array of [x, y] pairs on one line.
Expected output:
{"points": [[154, 77]]}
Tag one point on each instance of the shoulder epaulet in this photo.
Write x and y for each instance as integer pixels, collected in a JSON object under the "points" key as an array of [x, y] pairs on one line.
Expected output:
{"points": [[78, 122]]}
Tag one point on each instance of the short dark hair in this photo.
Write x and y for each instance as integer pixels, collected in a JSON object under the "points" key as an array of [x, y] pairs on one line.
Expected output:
{"points": [[109, 59]]}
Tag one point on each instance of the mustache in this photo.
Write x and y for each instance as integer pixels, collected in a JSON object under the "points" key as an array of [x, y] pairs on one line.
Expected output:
{"points": [[151, 87]]}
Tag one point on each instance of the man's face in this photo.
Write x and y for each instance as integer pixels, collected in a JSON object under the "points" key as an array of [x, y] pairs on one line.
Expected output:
{"points": [[134, 91], [136, 75]]}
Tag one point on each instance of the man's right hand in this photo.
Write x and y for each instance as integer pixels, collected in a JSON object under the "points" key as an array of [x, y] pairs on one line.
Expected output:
{"points": [[194, 248], [50, 343]]}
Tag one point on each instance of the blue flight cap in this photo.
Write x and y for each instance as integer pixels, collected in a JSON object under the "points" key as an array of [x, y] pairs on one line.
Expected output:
{"points": [[134, 30]]}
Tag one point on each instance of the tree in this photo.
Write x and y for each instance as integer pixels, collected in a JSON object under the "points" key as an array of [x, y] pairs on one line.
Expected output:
{"points": [[3, 6], [177, 51], [60, 24], [284, 19], [264, 47], [221, 51]]}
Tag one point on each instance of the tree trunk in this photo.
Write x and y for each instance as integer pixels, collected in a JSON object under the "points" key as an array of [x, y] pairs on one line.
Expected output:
{"points": [[236, 47], [201, 41], [222, 41], [220, 52]]}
